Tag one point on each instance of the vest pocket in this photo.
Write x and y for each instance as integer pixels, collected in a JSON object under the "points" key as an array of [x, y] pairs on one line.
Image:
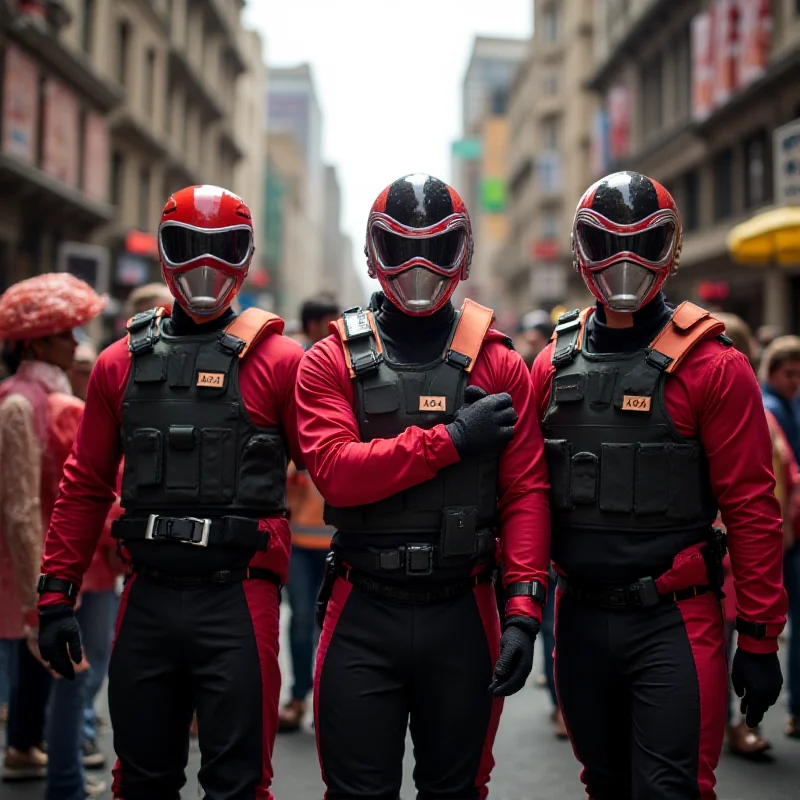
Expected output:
{"points": [[616, 477], [217, 465], [257, 471], [558, 454], [651, 490], [685, 498], [584, 478], [146, 465], [183, 460]]}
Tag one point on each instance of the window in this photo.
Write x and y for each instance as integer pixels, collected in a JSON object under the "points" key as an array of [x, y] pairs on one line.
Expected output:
{"points": [[690, 208], [550, 25], [87, 24], [683, 75], [144, 198], [123, 43], [499, 102], [550, 79], [149, 81], [549, 172], [115, 190], [757, 189], [550, 134], [548, 225], [652, 96], [723, 185]]}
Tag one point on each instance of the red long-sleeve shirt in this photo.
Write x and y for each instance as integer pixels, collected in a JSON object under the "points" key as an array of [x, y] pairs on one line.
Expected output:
{"points": [[715, 397], [350, 472], [267, 377]]}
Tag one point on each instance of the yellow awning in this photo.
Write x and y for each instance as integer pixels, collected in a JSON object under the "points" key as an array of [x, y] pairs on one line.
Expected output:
{"points": [[772, 237]]}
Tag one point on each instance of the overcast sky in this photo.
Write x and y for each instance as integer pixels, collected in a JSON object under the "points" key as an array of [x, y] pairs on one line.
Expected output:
{"points": [[388, 75]]}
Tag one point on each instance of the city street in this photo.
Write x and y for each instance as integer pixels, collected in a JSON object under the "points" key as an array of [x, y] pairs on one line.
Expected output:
{"points": [[531, 763]]}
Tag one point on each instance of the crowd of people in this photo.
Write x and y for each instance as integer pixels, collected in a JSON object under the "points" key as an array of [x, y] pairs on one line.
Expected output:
{"points": [[417, 556]]}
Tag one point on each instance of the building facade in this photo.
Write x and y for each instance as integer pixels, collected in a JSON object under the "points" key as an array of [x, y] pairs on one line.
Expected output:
{"points": [[134, 100], [549, 154], [692, 97], [480, 157]]}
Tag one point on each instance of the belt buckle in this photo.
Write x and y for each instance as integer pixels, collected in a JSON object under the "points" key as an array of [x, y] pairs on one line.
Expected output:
{"points": [[152, 533], [646, 591], [419, 559]]}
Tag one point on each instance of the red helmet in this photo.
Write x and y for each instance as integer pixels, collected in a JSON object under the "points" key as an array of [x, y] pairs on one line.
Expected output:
{"points": [[419, 243], [205, 240], [626, 239]]}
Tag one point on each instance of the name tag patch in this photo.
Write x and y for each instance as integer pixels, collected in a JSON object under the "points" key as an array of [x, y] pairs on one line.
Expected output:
{"points": [[214, 379], [430, 403], [633, 403]]}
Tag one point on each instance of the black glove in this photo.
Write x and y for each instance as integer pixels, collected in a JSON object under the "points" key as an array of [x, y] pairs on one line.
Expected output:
{"points": [[484, 423], [58, 632], [757, 679], [516, 656]]}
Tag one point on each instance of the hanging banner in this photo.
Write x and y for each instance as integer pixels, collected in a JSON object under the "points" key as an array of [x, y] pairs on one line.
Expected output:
{"points": [[619, 118], [61, 120], [20, 104], [755, 37], [95, 157], [726, 51], [599, 150], [702, 66]]}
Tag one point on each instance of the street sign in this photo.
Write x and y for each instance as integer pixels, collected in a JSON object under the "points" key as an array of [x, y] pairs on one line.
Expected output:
{"points": [[786, 150]]}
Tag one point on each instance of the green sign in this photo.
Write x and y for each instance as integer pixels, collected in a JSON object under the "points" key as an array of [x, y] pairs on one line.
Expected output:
{"points": [[493, 195], [467, 149]]}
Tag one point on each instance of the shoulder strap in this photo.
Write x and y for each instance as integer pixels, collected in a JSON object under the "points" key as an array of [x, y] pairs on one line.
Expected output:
{"points": [[144, 329], [252, 325], [568, 335], [473, 323], [363, 350], [688, 325]]}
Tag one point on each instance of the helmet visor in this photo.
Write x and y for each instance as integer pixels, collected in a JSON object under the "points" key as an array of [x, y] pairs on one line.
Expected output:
{"points": [[418, 289], [442, 250], [624, 285], [204, 289], [652, 244], [181, 245]]}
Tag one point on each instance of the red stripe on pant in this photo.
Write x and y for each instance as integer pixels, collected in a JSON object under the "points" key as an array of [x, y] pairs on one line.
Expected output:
{"points": [[487, 607], [341, 591], [123, 604], [557, 597], [703, 619], [264, 604]]}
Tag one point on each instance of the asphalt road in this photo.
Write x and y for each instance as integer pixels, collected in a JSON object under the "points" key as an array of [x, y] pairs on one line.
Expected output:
{"points": [[530, 763]]}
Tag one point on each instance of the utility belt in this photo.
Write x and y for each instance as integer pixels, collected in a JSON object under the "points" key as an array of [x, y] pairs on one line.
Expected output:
{"points": [[641, 594], [335, 568], [229, 531], [218, 578]]}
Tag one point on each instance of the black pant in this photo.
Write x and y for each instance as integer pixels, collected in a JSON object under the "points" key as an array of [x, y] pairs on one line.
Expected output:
{"points": [[214, 650], [381, 663], [27, 704], [643, 696]]}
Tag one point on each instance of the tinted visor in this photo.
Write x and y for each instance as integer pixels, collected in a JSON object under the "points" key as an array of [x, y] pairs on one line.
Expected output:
{"points": [[181, 245], [442, 250], [652, 244]]}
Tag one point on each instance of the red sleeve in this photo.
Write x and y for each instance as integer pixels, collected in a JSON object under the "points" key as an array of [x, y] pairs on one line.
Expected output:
{"points": [[90, 475], [523, 480], [347, 471], [542, 373], [734, 433]]}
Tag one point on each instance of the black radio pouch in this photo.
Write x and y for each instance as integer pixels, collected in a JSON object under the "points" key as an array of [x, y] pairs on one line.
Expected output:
{"points": [[459, 526], [326, 587], [714, 555]]}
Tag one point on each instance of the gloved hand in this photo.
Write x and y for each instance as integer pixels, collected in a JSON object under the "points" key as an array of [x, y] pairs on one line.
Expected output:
{"points": [[484, 423], [59, 632], [516, 656], [757, 679]]}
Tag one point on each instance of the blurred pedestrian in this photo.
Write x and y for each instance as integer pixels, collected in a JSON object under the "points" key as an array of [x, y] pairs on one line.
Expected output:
{"points": [[81, 369], [151, 295], [38, 420], [535, 330], [311, 539], [780, 375]]}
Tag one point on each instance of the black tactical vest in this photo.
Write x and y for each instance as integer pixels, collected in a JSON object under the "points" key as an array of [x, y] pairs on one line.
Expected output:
{"points": [[462, 499], [188, 443], [616, 462]]}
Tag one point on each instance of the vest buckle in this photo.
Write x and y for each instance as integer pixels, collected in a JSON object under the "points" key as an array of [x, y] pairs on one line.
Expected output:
{"points": [[366, 362], [419, 559], [457, 359], [658, 360], [186, 530], [231, 344]]}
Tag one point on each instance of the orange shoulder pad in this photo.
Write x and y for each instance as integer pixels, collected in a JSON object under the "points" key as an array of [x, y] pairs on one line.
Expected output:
{"points": [[160, 312], [472, 326], [341, 330], [689, 325], [252, 325]]}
